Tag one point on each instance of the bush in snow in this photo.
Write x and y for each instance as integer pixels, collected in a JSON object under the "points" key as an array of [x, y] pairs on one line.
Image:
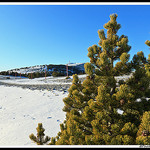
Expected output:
{"points": [[39, 140]]}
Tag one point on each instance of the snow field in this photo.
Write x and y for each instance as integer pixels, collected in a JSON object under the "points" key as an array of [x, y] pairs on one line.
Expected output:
{"points": [[22, 109], [39, 81]]}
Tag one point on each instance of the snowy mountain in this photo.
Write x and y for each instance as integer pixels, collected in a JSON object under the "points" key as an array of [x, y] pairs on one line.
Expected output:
{"points": [[72, 68], [79, 66]]}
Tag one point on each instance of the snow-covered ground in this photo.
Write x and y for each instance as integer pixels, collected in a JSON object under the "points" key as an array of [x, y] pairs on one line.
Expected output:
{"points": [[47, 81], [38, 81], [22, 109]]}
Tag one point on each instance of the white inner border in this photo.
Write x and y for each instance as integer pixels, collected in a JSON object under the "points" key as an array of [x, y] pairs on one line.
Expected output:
{"points": [[77, 3], [74, 3]]}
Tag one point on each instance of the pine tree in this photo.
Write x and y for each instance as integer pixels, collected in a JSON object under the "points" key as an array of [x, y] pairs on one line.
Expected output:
{"points": [[107, 123], [143, 134], [39, 140], [147, 66], [71, 130], [93, 108], [147, 42]]}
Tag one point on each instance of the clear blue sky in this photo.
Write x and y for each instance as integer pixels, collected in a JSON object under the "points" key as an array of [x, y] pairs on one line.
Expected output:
{"points": [[56, 34]]}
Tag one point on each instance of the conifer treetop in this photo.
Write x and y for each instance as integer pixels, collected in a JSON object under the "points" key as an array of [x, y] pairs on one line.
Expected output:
{"points": [[39, 139], [147, 42]]}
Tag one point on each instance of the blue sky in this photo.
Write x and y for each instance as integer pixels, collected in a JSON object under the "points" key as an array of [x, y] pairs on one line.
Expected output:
{"points": [[56, 34]]}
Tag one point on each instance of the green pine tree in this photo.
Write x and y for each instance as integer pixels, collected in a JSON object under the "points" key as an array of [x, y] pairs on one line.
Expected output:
{"points": [[147, 42], [143, 134], [71, 130], [39, 139], [92, 107], [147, 66]]}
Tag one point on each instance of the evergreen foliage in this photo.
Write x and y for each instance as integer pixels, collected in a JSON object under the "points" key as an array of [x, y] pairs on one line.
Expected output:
{"points": [[143, 134], [39, 140], [147, 42], [92, 107], [147, 65]]}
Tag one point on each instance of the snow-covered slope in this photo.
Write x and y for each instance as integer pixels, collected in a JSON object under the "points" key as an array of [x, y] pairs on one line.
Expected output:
{"points": [[38, 81], [27, 70], [22, 109], [48, 80], [50, 67], [80, 66]]}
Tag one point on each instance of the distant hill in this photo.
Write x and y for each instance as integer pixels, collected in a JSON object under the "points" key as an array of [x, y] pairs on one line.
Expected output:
{"points": [[39, 70]]}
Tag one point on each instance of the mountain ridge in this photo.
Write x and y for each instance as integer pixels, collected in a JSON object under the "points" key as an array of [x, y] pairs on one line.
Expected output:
{"points": [[60, 69]]}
